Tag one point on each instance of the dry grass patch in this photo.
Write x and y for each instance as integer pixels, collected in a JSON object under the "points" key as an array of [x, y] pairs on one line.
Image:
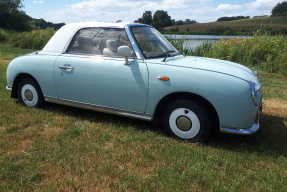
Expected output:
{"points": [[275, 106]]}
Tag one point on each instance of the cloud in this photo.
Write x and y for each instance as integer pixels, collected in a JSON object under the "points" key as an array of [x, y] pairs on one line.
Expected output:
{"points": [[130, 10], [38, 1], [261, 7], [228, 7]]}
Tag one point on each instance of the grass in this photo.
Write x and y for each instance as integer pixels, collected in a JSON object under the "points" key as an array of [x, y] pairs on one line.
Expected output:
{"points": [[60, 148]]}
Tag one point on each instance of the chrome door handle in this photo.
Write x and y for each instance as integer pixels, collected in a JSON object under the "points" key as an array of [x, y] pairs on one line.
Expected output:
{"points": [[66, 67]]}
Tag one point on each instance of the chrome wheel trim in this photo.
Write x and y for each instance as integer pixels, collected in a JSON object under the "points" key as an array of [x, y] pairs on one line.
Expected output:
{"points": [[184, 123], [29, 95]]}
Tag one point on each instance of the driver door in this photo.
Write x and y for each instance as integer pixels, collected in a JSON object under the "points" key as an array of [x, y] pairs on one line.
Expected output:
{"points": [[87, 76]]}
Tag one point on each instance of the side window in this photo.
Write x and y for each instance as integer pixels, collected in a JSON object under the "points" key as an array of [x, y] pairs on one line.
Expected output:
{"points": [[83, 42], [99, 41]]}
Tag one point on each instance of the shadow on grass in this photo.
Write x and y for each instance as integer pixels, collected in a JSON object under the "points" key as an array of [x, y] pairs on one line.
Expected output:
{"points": [[98, 117], [271, 139]]}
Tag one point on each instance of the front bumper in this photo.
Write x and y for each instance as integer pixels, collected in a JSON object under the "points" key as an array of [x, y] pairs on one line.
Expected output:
{"points": [[247, 131]]}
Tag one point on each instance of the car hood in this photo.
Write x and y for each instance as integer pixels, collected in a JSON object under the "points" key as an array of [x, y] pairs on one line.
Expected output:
{"points": [[212, 65]]}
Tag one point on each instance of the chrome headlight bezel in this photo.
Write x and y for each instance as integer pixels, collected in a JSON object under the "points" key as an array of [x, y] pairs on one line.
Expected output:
{"points": [[255, 92]]}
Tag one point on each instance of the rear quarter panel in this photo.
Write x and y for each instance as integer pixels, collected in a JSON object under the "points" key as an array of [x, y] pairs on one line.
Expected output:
{"points": [[38, 66]]}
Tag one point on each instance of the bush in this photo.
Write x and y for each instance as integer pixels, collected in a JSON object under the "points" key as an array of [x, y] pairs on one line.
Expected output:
{"points": [[35, 39], [263, 52], [5, 35]]}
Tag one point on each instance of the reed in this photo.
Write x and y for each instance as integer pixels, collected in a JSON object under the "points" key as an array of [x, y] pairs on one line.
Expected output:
{"points": [[261, 51]]}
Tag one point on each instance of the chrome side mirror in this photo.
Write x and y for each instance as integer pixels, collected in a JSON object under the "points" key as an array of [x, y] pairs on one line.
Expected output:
{"points": [[125, 51]]}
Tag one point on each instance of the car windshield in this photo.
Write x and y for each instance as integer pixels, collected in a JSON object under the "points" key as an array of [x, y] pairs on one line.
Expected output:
{"points": [[152, 43]]}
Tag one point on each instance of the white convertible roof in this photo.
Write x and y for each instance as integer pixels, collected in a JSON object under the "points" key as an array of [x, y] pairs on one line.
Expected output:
{"points": [[62, 37]]}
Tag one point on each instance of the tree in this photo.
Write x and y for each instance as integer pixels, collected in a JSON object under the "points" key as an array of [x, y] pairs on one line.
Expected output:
{"points": [[179, 22], [11, 17], [279, 10], [146, 18], [161, 20], [188, 21], [42, 24], [233, 18]]}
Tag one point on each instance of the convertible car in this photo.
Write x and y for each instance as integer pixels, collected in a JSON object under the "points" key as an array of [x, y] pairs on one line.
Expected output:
{"points": [[133, 70]]}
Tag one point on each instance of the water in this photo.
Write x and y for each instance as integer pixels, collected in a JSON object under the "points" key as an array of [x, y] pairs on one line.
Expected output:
{"points": [[193, 41]]}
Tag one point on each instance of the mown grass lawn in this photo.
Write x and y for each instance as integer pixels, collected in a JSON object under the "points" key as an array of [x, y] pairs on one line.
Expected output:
{"points": [[60, 148]]}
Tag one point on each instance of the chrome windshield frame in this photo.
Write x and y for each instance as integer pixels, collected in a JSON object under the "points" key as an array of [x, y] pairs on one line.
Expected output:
{"points": [[136, 46]]}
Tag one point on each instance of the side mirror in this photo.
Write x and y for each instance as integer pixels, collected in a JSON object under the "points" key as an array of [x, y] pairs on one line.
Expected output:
{"points": [[125, 51]]}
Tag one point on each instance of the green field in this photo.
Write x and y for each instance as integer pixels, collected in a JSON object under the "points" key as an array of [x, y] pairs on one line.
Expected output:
{"points": [[60, 148], [275, 25]]}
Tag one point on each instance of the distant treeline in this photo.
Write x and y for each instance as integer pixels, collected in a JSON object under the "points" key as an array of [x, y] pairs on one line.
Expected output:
{"points": [[233, 18], [42, 24], [12, 17]]}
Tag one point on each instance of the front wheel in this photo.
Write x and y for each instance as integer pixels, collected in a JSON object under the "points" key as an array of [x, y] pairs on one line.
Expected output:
{"points": [[187, 120], [30, 94]]}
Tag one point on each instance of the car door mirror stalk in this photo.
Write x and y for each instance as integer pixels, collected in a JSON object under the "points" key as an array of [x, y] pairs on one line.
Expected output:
{"points": [[125, 52]]}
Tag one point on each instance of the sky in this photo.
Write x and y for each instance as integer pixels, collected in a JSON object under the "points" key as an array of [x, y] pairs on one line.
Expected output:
{"points": [[202, 11]]}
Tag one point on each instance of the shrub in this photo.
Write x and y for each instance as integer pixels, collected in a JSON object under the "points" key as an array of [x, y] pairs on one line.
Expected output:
{"points": [[35, 39], [263, 52], [5, 35]]}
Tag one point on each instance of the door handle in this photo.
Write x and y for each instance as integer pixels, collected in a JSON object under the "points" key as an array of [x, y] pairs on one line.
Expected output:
{"points": [[66, 67]]}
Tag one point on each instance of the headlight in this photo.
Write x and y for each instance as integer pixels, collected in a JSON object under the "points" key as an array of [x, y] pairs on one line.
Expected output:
{"points": [[255, 92]]}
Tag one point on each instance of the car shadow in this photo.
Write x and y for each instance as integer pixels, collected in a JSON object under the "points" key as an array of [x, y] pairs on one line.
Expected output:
{"points": [[98, 117], [270, 139]]}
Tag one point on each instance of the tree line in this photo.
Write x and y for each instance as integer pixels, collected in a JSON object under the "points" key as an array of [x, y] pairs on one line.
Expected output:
{"points": [[161, 19], [12, 17]]}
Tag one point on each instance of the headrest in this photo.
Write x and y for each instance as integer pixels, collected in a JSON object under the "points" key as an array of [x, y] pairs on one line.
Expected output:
{"points": [[85, 42], [112, 45]]}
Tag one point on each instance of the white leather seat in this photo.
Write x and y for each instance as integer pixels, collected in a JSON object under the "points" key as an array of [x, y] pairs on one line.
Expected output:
{"points": [[86, 45], [112, 47]]}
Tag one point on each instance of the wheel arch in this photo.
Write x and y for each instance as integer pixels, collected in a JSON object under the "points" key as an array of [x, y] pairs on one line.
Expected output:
{"points": [[17, 81], [185, 95]]}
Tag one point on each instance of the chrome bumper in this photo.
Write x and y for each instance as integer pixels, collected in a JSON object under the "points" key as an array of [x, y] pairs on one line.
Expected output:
{"points": [[237, 131], [247, 131]]}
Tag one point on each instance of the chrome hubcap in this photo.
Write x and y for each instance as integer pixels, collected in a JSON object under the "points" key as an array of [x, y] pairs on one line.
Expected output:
{"points": [[28, 95], [184, 123]]}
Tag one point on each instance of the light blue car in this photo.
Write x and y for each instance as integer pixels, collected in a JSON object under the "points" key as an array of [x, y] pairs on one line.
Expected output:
{"points": [[132, 70]]}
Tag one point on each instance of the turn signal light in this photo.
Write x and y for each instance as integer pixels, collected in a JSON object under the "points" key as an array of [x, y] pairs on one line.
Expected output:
{"points": [[163, 78]]}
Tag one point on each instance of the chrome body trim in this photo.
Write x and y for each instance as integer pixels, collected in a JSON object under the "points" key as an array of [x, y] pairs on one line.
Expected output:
{"points": [[133, 41], [99, 108], [9, 87]]}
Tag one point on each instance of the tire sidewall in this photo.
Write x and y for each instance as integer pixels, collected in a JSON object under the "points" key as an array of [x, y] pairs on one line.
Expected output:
{"points": [[31, 85], [201, 121]]}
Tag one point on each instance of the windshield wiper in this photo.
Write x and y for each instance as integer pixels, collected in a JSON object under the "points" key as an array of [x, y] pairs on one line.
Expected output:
{"points": [[167, 53]]}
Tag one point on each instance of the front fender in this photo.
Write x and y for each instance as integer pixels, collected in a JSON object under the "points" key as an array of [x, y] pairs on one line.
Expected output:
{"points": [[230, 96]]}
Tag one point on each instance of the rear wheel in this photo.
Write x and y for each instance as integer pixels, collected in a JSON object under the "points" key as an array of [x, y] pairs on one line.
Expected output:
{"points": [[188, 120], [30, 94]]}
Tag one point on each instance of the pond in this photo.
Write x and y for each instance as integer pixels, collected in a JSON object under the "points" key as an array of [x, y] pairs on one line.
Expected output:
{"points": [[193, 41]]}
